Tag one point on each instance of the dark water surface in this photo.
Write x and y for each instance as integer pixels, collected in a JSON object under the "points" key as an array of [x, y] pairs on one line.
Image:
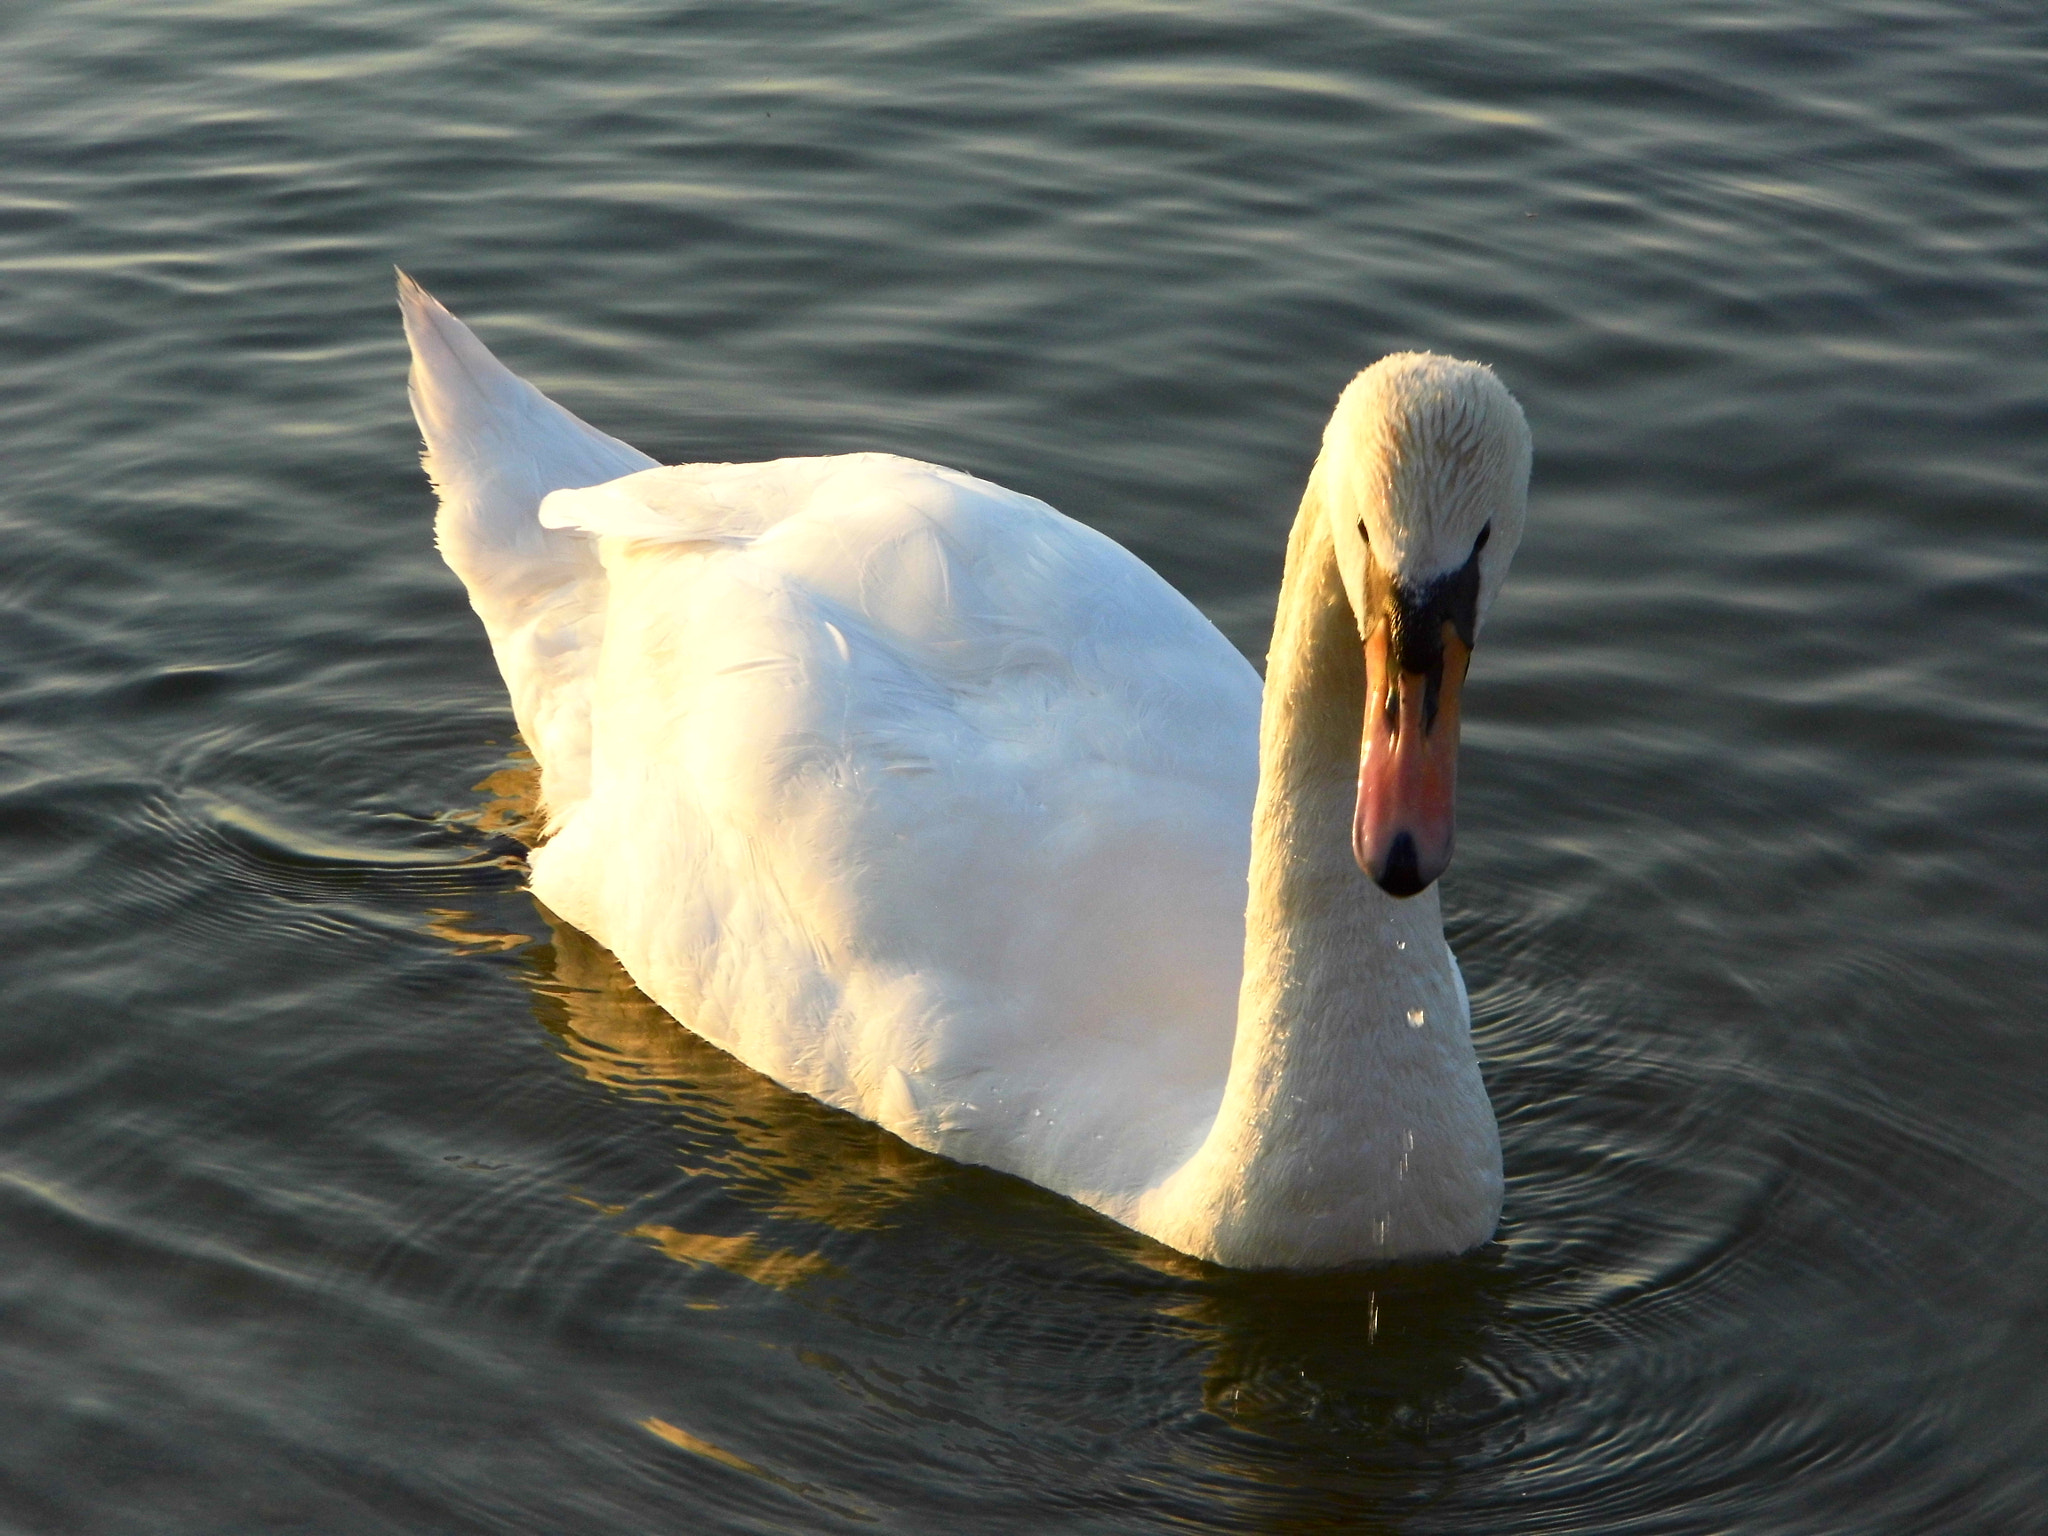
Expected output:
{"points": [[339, 1191]]}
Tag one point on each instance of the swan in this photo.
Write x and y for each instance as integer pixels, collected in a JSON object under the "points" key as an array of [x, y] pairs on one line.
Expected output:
{"points": [[932, 803]]}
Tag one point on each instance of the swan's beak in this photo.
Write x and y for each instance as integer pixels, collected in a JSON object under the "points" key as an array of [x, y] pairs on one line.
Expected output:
{"points": [[1408, 773]]}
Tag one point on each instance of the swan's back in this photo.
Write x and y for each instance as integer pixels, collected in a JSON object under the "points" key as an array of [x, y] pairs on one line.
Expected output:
{"points": [[918, 796], [909, 791]]}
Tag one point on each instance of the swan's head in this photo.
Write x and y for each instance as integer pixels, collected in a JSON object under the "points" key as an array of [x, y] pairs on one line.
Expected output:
{"points": [[1424, 477]]}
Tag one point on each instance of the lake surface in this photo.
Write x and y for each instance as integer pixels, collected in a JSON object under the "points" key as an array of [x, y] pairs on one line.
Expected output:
{"points": [[340, 1190]]}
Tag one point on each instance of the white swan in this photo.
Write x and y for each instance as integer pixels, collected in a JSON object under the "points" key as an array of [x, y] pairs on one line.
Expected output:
{"points": [[932, 803]]}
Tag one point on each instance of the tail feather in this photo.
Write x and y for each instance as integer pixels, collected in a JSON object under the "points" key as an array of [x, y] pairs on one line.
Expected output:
{"points": [[495, 446]]}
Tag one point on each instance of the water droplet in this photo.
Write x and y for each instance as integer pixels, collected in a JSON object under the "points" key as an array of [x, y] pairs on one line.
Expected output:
{"points": [[1417, 1018]]}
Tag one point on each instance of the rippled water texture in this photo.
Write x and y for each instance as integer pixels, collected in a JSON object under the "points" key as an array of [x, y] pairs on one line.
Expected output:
{"points": [[342, 1191]]}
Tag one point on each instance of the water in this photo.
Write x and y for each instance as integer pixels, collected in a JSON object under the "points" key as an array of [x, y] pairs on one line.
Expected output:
{"points": [[341, 1191]]}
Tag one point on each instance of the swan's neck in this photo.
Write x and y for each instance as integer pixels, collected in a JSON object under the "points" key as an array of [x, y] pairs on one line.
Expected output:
{"points": [[1354, 1124]]}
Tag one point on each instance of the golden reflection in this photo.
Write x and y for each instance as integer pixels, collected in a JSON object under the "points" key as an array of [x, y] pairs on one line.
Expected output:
{"points": [[779, 1151], [780, 1269], [683, 1440], [514, 807], [511, 811], [447, 926]]}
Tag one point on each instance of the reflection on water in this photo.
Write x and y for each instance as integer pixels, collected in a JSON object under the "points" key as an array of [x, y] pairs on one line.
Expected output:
{"points": [[786, 1155], [1368, 1375], [1354, 1395], [683, 1440]]}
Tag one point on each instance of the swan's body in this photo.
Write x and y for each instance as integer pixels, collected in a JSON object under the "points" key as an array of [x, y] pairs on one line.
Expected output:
{"points": [[932, 803]]}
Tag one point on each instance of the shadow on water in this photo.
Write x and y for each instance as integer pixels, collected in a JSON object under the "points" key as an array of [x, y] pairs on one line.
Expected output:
{"points": [[1346, 1401]]}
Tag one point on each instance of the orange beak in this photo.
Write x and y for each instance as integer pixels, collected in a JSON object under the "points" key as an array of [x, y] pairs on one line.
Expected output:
{"points": [[1408, 773]]}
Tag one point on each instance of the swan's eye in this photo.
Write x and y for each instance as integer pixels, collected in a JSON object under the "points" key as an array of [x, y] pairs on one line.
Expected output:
{"points": [[1477, 544], [1364, 535]]}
